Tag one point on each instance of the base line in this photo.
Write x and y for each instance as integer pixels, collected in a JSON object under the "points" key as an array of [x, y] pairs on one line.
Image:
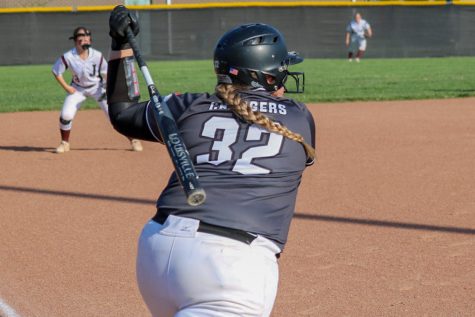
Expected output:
{"points": [[7, 311]]}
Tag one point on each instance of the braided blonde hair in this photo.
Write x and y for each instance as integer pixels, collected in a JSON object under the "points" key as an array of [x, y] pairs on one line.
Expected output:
{"points": [[230, 95]]}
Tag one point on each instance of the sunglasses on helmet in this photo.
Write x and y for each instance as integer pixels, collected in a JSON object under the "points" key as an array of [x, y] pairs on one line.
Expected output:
{"points": [[83, 34]]}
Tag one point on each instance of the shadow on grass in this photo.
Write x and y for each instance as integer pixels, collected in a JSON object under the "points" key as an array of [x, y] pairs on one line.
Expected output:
{"points": [[347, 220], [467, 92]]}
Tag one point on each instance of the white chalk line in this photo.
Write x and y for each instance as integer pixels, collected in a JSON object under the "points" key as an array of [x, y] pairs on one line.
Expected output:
{"points": [[7, 311]]}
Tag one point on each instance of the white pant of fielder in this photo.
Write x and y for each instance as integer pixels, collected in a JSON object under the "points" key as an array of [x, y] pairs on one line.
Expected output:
{"points": [[72, 103]]}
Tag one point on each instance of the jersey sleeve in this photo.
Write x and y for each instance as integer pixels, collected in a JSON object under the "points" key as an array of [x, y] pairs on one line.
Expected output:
{"points": [[176, 103], [348, 28], [126, 113], [179, 103], [129, 116], [60, 66]]}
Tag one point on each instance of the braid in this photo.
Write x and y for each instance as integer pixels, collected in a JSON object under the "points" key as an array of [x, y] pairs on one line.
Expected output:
{"points": [[229, 94]]}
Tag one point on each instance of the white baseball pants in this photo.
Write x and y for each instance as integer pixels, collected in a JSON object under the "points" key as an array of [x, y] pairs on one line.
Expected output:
{"points": [[72, 103], [357, 44], [185, 273]]}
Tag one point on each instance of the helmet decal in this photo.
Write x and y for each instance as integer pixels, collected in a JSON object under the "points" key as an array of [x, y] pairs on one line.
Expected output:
{"points": [[233, 71]]}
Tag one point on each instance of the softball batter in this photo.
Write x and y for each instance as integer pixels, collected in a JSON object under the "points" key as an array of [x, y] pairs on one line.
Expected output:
{"points": [[89, 70], [250, 145], [356, 33]]}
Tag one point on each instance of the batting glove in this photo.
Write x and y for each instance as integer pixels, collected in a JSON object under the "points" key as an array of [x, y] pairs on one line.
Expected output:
{"points": [[120, 19]]}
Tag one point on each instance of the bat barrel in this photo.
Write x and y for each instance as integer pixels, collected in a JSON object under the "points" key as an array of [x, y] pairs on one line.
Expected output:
{"points": [[171, 136], [196, 197]]}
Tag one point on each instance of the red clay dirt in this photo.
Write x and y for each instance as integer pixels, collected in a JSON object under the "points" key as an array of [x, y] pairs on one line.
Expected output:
{"points": [[385, 221]]}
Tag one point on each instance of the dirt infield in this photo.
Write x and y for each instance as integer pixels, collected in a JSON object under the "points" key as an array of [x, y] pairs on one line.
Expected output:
{"points": [[385, 221]]}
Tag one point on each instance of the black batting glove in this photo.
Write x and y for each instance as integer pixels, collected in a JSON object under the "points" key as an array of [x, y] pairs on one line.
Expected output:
{"points": [[120, 19]]}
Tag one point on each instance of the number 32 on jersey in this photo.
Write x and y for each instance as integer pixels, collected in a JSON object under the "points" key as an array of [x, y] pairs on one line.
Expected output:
{"points": [[224, 133]]}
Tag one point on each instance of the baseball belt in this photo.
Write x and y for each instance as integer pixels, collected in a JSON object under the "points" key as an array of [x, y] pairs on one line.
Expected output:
{"points": [[236, 234], [84, 87]]}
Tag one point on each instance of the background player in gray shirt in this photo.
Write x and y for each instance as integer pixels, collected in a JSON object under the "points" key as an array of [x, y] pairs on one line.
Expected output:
{"points": [[250, 146], [357, 31]]}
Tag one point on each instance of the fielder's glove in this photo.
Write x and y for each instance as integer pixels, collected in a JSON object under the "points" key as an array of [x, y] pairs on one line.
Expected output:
{"points": [[120, 19]]}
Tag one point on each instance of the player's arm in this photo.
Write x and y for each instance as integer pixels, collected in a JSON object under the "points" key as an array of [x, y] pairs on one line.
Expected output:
{"points": [[68, 88], [348, 35], [58, 69], [128, 116], [347, 39], [369, 32]]}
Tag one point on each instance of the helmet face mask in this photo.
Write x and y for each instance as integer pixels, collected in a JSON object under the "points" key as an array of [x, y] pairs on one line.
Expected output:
{"points": [[249, 54], [298, 84]]}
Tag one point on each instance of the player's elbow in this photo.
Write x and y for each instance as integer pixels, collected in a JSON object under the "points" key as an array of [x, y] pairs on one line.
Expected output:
{"points": [[115, 111]]}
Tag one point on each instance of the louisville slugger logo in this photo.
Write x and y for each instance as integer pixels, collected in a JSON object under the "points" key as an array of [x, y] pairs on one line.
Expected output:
{"points": [[181, 155]]}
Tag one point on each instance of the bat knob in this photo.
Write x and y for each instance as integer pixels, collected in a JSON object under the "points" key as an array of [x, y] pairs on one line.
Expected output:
{"points": [[197, 197]]}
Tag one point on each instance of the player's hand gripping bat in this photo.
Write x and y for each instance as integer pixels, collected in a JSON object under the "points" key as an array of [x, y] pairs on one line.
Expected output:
{"points": [[168, 128]]}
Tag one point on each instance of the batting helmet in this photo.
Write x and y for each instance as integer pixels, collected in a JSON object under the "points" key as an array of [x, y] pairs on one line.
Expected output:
{"points": [[247, 53]]}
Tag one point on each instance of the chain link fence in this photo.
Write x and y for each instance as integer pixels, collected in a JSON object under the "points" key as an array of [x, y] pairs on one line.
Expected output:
{"points": [[76, 3], [56, 3]]}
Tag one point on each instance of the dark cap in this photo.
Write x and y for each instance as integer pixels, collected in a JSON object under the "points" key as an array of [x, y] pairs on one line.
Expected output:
{"points": [[80, 30]]}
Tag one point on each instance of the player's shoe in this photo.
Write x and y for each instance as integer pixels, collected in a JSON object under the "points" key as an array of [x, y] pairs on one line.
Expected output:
{"points": [[357, 60], [350, 60], [63, 147], [136, 145]]}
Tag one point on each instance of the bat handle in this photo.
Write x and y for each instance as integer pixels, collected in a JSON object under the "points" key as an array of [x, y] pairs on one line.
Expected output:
{"points": [[135, 47]]}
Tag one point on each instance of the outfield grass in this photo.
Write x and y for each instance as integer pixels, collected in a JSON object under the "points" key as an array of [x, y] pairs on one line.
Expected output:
{"points": [[32, 88]]}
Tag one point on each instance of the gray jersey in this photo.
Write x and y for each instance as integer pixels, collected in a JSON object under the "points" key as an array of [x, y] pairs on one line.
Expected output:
{"points": [[358, 30], [250, 175]]}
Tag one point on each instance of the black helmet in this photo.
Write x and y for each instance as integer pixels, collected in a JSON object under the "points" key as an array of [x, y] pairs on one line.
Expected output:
{"points": [[245, 54]]}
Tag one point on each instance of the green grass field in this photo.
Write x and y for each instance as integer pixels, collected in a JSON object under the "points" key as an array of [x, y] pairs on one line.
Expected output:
{"points": [[33, 88]]}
